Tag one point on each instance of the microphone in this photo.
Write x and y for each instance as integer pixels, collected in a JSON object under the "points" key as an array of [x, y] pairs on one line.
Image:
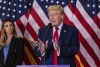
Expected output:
{"points": [[47, 31]]}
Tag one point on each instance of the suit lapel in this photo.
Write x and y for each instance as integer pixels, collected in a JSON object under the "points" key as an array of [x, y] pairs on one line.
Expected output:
{"points": [[10, 47], [63, 34], [2, 55], [50, 37]]}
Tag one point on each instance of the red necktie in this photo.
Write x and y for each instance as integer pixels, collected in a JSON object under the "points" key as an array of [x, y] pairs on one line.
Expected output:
{"points": [[55, 60]]}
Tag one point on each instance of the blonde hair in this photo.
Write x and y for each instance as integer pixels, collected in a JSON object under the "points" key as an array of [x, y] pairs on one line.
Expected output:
{"points": [[3, 37], [56, 7]]}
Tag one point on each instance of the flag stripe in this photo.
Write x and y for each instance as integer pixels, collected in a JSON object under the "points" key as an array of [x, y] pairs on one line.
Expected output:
{"points": [[78, 17], [40, 13], [66, 20], [20, 25], [85, 32], [79, 61], [84, 41], [22, 22], [86, 45], [30, 40], [28, 45], [0, 27], [90, 51], [27, 15], [34, 24], [71, 8], [32, 60], [87, 27], [31, 51], [37, 18], [68, 12], [26, 59], [99, 15], [33, 34], [83, 60], [97, 20], [19, 33], [84, 25], [87, 56], [87, 18]]}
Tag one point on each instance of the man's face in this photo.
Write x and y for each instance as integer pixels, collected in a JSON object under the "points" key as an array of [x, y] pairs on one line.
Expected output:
{"points": [[55, 17]]}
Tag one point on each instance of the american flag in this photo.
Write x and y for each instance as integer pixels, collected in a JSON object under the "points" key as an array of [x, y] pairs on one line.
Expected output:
{"points": [[83, 14], [12, 9]]}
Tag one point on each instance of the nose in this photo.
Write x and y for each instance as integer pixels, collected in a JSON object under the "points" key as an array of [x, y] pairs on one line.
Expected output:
{"points": [[51, 18], [9, 26]]}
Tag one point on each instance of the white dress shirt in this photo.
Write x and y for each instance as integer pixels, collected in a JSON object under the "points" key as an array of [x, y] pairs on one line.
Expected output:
{"points": [[59, 30]]}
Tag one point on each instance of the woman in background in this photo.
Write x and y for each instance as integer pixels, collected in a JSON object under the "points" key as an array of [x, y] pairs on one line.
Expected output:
{"points": [[12, 51]]}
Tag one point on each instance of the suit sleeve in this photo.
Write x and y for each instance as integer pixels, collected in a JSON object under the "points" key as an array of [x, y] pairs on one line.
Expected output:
{"points": [[72, 49], [36, 50], [20, 52]]}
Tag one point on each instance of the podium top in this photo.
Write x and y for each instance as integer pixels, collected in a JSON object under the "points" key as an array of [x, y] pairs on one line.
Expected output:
{"points": [[43, 66]]}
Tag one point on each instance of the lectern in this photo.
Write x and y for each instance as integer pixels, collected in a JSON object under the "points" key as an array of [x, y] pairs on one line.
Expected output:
{"points": [[43, 65]]}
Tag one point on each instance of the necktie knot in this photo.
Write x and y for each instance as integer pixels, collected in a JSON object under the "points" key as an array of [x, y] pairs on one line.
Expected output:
{"points": [[56, 28], [56, 33]]}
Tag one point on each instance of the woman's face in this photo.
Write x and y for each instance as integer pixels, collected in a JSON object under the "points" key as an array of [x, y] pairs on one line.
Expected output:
{"points": [[8, 27]]}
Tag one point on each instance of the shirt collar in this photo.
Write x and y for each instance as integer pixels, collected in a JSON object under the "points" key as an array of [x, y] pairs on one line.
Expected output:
{"points": [[60, 26]]}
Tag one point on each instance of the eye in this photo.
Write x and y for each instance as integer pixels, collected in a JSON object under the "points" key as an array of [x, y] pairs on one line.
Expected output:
{"points": [[49, 15], [10, 25], [5, 25]]}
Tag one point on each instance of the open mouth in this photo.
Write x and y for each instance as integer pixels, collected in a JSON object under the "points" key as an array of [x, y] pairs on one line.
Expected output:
{"points": [[53, 21]]}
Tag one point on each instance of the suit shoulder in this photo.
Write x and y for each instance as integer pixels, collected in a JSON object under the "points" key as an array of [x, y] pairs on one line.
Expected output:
{"points": [[19, 38], [71, 27], [43, 28]]}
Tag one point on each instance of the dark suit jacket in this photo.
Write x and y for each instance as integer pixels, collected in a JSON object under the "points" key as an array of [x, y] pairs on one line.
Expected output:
{"points": [[68, 42], [15, 53]]}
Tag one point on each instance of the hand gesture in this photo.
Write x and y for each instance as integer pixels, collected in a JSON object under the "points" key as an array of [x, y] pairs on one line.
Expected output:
{"points": [[41, 45], [56, 45]]}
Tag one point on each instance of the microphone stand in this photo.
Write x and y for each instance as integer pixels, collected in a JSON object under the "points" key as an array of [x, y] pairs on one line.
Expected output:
{"points": [[45, 49], [47, 33]]}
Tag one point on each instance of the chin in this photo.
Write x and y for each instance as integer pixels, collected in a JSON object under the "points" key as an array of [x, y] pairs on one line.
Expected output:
{"points": [[9, 32], [54, 25]]}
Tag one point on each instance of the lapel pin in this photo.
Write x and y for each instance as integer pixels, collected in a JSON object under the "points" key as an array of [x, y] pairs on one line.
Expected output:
{"points": [[64, 30]]}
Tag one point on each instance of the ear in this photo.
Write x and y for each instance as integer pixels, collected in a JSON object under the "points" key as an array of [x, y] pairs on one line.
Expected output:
{"points": [[62, 17]]}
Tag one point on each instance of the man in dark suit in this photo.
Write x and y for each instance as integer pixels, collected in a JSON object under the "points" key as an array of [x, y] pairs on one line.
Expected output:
{"points": [[58, 43]]}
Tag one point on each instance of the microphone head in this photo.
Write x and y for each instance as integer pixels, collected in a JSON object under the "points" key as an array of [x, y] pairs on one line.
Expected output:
{"points": [[48, 28], [49, 25]]}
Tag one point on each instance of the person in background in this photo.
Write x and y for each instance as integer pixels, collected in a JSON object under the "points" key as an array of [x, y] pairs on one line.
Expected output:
{"points": [[61, 44], [12, 51]]}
